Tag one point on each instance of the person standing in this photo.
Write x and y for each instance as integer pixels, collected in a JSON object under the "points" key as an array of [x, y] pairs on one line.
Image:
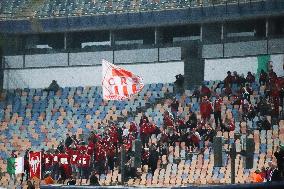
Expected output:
{"points": [[174, 107], [55, 165], [153, 157], [217, 111], [279, 155], [205, 109], [84, 165], [11, 167]]}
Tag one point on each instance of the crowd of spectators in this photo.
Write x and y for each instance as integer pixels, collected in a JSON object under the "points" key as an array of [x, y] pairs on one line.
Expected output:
{"points": [[78, 159]]}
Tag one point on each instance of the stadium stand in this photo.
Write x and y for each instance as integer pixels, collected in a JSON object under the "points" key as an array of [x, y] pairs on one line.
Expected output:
{"points": [[36, 119], [59, 8], [8, 9]]}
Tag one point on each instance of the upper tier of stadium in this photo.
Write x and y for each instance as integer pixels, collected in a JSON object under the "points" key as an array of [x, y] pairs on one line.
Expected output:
{"points": [[15, 9]]}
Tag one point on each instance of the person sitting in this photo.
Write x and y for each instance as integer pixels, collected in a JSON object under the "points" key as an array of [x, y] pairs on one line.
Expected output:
{"points": [[94, 181], [72, 180], [246, 92], [48, 179], [211, 133], [192, 121], [263, 124], [262, 107], [256, 176], [53, 86]]}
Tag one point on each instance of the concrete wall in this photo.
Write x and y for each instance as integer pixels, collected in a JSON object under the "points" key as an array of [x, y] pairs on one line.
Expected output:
{"points": [[46, 60], [216, 69], [87, 75], [90, 58]]}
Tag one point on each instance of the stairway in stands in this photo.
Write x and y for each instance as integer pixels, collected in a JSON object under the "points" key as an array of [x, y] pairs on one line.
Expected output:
{"points": [[29, 10]]}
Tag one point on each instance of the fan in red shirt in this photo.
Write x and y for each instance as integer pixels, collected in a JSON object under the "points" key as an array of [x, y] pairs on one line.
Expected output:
{"points": [[48, 160], [232, 125], [113, 134], [73, 156], [91, 148], [272, 76], [194, 138], [100, 158], [82, 146], [168, 120], [133, 128], [205, 109], [205, 91], [83, 164], [151, 128], [64, 160], [144, 131], [145, 156], [180, 124]]}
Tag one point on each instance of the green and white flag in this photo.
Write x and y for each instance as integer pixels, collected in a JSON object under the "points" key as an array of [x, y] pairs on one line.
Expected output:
{"points": [[15, 165]]}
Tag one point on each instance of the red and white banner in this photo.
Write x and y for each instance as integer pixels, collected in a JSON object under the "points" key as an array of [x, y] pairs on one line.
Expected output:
{"points": [[35, 164], [118, 83]]}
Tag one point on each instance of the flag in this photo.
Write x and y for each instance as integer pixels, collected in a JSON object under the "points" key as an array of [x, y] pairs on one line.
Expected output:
{"points": [[118, 83], [15, 165], [35, 164]]}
